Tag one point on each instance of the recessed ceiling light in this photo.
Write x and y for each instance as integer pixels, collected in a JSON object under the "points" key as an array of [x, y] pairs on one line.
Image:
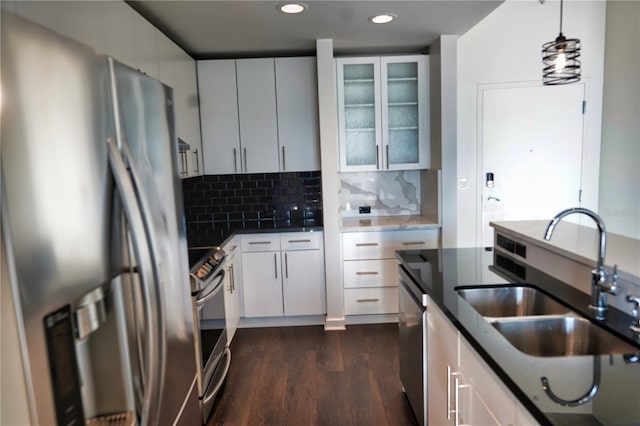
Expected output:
{"points": [[383, 18], [292, 8]]}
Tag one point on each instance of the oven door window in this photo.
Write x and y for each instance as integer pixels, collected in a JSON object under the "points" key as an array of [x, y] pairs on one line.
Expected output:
{"points": [[211, 316]]}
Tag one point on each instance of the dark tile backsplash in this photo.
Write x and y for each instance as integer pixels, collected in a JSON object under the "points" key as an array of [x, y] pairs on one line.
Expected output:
{"points": [[216, 205]]}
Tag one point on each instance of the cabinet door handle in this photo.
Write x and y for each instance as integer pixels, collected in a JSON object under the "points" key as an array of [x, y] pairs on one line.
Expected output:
{"points": [[195, 152], [275, 264], [233, 280], [246, 168], [413, 243], [366, 244], [183, 160], [456, 420], [458, 386], [284, 160], [299, 241], [252, 243], [235, 161], [367, 273], [387, 156], [377, 156], [367, 300], [449, 411], [286, 266]]}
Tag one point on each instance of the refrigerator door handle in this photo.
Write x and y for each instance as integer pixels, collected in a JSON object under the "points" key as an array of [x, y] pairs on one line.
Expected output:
{"points": [[148, 274]]}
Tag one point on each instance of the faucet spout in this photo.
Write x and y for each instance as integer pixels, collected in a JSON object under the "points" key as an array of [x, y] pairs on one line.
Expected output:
{"points": [[600, 283]]}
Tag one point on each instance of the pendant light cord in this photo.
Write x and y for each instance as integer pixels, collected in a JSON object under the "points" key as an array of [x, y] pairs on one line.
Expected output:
{"points": [[560, 16]]}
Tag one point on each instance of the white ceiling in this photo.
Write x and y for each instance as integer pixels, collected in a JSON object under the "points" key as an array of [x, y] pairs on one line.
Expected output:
{"points": [[230, 29]]}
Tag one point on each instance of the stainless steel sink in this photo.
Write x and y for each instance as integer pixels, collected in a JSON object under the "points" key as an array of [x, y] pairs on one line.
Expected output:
{"points": [[538, 325], [561, 336], [512, 301]]}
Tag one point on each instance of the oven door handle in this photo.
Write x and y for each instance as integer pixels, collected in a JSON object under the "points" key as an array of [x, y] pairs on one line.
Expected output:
{"points": [[216, 388], [216, 287]]}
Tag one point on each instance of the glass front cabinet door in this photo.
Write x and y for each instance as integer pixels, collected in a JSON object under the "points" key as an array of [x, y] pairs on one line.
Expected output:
{"points": [[383, 118]]}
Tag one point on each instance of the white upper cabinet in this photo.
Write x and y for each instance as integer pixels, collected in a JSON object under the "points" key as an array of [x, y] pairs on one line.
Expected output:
{"points": [[219, 116], [146, 47], [257, 115], [383, 113], [178, 70], [106, 26], [114, 28], [297, 106]]}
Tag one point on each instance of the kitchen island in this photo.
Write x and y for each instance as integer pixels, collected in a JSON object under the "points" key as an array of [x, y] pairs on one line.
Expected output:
{"points": [[438, 273]]}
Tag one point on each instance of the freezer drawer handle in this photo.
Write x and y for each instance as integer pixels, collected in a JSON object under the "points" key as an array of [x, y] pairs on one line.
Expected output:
{"points": [[367, 300], [366, 244], [367, 273]]}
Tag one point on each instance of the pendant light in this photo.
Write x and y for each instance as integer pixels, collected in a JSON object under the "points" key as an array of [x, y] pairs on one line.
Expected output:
{"points": [[560, 59]]}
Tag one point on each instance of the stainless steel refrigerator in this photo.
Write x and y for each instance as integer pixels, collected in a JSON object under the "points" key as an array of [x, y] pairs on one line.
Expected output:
{"points": [[96, 312]]}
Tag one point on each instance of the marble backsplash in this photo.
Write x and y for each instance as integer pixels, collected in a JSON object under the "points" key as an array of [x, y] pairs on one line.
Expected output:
{"points": [[387, 193]]}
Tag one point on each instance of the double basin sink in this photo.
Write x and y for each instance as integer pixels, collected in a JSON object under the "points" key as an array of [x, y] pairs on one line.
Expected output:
{"points": [[538, 325]]}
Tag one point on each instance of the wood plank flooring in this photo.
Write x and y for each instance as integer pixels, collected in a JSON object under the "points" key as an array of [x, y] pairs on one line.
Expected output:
{"points": [[306, 376]]}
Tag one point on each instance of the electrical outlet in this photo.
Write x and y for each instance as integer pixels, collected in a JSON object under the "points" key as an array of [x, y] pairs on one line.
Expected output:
{"points": [[364, 209]]}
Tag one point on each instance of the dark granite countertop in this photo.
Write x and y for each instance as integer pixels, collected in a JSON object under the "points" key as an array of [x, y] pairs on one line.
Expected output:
{"points": [[617, 400], [195, 252]]}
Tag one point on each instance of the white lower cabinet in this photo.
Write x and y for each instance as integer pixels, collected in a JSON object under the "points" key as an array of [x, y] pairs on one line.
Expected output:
{"points": [[283, 274], [462, 389], [303, 283], [370, 269], [262, 284]]}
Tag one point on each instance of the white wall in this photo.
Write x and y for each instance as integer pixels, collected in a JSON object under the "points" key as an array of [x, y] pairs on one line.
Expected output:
{"points": [[619, 202], [506, 47]]}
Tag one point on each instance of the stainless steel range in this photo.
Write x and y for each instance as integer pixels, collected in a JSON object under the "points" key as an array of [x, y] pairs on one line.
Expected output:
{"points": [[213, 355]]}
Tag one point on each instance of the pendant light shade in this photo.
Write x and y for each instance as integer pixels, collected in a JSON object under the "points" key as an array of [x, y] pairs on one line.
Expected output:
{"points": [[560, 59]]}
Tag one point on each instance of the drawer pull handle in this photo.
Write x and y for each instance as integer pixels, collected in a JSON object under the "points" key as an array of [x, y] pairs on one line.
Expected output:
{"points": [[413, 243], [367, 300], [299, 241], [259, 242], [366, 244], [234, 247], [367, 273]]}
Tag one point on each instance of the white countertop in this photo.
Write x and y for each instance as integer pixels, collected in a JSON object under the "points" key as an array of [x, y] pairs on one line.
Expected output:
{"points": [[579, 243], [387, 223]]}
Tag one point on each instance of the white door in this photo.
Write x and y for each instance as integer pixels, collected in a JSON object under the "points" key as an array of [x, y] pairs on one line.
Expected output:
{"points": [[532, 151]]}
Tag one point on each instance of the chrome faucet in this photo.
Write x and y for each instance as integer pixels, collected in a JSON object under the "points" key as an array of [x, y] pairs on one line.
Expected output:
{"points": [[601, 282]]}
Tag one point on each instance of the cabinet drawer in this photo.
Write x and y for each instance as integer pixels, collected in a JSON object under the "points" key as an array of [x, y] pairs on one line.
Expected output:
{"points": [[363, 301], [370, 273], [301, 241], [383, 245], [260, 242]]}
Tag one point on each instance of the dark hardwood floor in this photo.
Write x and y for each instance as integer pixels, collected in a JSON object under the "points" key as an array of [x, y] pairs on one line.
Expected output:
{"points": [[306, 376]]}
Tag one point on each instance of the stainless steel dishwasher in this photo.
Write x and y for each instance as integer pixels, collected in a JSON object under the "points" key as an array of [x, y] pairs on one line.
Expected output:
{"points": [[412, 319]]}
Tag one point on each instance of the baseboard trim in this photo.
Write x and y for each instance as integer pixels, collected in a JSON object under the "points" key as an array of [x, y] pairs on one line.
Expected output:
{"points": [[281, 321], [371, 319]]}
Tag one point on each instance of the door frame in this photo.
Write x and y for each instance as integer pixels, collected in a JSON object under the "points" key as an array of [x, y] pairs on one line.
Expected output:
{"points": [[590, 151]]}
